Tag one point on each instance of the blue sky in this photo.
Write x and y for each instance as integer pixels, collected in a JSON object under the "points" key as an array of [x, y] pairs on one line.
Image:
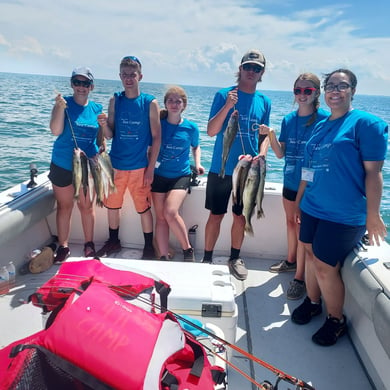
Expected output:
{"points": [[199, 42]]}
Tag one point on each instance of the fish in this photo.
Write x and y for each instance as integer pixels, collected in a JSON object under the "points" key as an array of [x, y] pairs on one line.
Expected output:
{"points": [[84, 173], [77, 171], [239, 177], [95, 168], [228, 139], [107, 171], [250, 193], [260, 192]]}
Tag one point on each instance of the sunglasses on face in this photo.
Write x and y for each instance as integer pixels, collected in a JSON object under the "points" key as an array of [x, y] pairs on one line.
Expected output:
{"points": [[254, 68], [305, 91], [132, 58], [81, 83]]}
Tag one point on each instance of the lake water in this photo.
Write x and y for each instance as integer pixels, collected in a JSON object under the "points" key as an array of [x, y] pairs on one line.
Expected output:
{"points": [[26, 102]]}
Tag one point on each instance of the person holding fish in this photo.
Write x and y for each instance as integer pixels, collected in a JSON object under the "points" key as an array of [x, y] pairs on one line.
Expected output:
{"points": [[133, 124], [297, 127], [235, 117], [172, 174], [338, 200], [74, 122]]}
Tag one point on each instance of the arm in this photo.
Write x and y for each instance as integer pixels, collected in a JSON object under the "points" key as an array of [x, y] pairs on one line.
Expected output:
{"points": [[215, 124], [278, 147], [108, 123], [155, 127], [301, 190], [374, 185], [58, 115], [196, 155]]}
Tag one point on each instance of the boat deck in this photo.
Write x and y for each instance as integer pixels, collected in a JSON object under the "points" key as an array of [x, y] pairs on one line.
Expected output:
{"points": [[264, 330]]}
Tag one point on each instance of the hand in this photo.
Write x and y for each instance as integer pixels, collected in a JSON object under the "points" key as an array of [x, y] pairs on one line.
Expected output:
{"points": [[60, 102], [200, 170], [376, 229], [232, 98], [102, 119], [265, 130]]}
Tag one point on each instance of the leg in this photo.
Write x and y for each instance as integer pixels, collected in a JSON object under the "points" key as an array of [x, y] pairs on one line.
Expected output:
{"points": [[292, 240], [212, 230], [312, 286], [237, 231], [173, 202], [87, 213], [162, 228], [64, 198], [331, 286]]}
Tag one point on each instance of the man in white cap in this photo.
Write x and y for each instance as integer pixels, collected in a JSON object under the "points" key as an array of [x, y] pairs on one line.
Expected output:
{"points": [[253, 110]]}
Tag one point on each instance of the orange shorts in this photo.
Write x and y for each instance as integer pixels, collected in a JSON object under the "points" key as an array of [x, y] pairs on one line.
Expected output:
{"points": [[133, 181]]}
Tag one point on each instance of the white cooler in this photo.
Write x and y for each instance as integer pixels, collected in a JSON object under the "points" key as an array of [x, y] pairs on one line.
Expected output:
{"points": [[201, 291]]}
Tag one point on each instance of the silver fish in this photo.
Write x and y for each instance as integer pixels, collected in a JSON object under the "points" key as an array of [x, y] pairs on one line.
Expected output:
{"points": [[84, 172], [260, 192], [77, 171], [97, 179], [228, 139], [239, 177], [107, 171], [249, 195]]}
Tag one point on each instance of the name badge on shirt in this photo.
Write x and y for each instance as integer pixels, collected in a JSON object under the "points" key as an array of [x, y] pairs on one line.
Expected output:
{"points": [[157, 164], [307, 174]]}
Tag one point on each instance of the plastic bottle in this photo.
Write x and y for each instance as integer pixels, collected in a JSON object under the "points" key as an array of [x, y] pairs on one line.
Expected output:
{"points": [[11, 274], [4, 280], [192, 235]]}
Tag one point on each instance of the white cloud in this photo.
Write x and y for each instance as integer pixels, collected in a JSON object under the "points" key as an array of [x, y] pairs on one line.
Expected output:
{"points": [[192, 42]]}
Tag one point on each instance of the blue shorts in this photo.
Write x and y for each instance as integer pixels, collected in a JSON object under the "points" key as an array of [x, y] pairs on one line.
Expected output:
{"points": [[331, 241]]}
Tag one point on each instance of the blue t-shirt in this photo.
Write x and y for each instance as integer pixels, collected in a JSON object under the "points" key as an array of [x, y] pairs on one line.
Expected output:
{"points": [[335, 153], [254, 109], [132, 133], [176, 141], [85, 128], [295, 133]]}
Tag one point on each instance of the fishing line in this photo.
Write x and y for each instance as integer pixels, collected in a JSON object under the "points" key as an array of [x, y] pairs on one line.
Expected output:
{"points": [[123, 292], [239, 130]]}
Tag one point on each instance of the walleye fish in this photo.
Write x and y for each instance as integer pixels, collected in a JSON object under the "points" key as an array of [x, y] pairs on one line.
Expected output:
{"points": [[84, 172], [228, 139], [97, 179], [260, 192], [77, 171], [240, 174], [250, 194], [107, 170]]}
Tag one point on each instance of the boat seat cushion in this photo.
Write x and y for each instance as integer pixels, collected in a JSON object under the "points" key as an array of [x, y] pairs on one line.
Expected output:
{"points": [[381, 319], [360, 284]]}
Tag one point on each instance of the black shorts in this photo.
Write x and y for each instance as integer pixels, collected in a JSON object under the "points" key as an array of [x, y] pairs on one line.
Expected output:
{"points": [[60, 177], [218, 191], [165, 184], [290, 195]]}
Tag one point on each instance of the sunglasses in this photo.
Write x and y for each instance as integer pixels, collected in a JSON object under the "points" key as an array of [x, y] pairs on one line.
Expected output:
{"points": [[254, 68], [81, 83], [132, 58], [305, 91]]}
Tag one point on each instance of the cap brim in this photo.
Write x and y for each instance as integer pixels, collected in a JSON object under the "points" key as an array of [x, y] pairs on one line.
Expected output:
{"points": [[253, 62]]}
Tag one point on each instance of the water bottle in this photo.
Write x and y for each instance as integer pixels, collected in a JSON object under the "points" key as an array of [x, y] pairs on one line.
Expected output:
{"points": [[4, 280], [11, 274], [192, 235]]}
